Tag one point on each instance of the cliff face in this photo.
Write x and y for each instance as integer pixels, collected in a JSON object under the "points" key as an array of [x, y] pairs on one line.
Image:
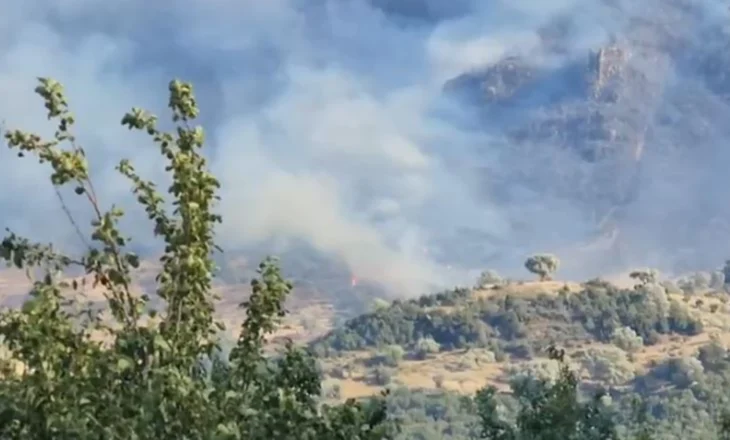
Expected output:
{"points": [[654, 90]]}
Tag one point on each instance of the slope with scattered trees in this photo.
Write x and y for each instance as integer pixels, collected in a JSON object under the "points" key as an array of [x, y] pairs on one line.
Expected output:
{"points": [[507, 322], [144, 369]]}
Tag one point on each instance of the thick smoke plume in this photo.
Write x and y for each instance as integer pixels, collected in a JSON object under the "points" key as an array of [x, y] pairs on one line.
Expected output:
{"points": [[328, 124]]}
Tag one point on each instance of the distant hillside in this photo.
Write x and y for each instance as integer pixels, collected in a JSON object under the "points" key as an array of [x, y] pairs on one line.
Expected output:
{"points": [[463, 339], [319, 281]]}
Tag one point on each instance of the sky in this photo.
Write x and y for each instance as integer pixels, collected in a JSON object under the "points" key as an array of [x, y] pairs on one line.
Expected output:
{"points": [[326, 123]]}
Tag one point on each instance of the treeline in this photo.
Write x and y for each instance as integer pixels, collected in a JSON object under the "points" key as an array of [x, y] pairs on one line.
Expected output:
{"points": [[457, 319]]}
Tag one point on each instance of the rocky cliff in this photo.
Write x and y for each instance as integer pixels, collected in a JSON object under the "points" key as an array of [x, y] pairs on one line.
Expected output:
{"points": [[653, 92]]}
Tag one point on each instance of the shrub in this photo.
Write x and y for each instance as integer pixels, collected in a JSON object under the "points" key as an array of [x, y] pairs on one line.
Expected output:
{"points": [[425, 347], [379, 376], [608, 365], [393, 354], [626, 339], [682, 372], [438, 380], [543, 369]]}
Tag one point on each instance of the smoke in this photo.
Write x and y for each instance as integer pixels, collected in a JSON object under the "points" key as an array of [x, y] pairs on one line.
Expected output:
{"points": [[327, 123]]}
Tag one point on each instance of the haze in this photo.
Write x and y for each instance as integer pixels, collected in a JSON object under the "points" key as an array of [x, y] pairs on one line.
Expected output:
{"points": [[328, 125]]}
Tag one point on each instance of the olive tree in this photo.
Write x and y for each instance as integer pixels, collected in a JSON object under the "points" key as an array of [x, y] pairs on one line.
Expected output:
{"points": [[543, 265], [142, 372]]}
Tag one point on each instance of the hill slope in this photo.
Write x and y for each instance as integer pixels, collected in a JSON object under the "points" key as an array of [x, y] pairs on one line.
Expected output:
{"points": [[463, 339]]}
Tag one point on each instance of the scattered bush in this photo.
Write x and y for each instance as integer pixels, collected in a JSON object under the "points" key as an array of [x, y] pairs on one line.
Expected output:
{"points": [[681, 372], [609, 365], [627, 339], [379, 376], [438, 380], [542, 369], [425, 347]]}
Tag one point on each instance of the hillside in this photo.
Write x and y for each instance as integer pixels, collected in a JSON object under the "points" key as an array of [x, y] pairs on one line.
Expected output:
{"points": [[324, 293], [461, 340]]}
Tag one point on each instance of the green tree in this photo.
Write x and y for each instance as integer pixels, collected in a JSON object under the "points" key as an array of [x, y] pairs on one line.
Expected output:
{"points": [[543, 265], [153, 374], [547, 410]]}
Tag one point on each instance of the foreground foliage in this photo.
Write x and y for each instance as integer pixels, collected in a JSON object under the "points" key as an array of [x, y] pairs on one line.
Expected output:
{"points": [[134, 372]]}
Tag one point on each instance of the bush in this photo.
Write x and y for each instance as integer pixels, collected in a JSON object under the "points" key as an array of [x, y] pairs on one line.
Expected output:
{"points": [[379, 376], [393, 354], [438, 380], [681, 372], [626, 339], [713, 356], [608, 365], [426, 346], [390, 356], [542, 370]]}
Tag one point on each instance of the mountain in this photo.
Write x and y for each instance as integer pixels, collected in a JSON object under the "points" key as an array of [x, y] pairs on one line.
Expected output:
{"points": [[630, 129]]}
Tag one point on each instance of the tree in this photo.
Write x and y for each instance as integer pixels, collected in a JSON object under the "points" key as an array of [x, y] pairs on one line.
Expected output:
{"points": [[489, 278], [547, 410], [146, 373], [543, 265], [644, 277]]}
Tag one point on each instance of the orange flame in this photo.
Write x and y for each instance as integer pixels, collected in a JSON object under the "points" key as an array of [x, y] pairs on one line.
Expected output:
{"points": [[353, 281]]}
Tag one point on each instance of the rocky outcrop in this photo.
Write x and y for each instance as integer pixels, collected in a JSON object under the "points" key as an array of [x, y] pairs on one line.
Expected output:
{"points": [[610, 109], [604, 65]]}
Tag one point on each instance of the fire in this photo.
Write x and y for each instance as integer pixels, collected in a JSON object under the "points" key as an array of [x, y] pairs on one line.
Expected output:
{"points": [[353, 281]]}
